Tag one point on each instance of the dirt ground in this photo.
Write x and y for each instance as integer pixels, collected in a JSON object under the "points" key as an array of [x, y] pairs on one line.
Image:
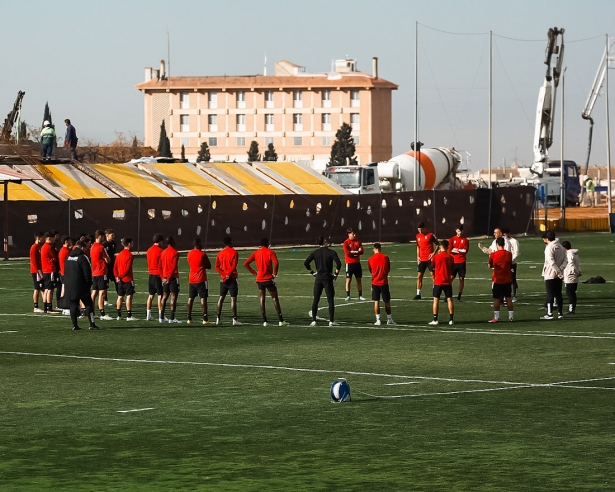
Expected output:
{"points": [[579, 212]]}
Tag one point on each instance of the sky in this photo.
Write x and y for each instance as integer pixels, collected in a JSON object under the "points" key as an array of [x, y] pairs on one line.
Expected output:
{"points": [[84, 58]]}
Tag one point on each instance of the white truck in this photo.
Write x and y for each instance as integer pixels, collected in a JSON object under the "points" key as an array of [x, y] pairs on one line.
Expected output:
{"points": [[437, 168]]}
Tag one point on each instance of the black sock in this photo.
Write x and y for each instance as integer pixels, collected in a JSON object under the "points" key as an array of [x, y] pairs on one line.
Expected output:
{"points": [[172, 313], [347, 293], [435, 317], [280, 316], [459, 296], [360, 293], [205, 317], [119, 313], [264, 317], [451, 317], [129, 312], [36, 305], [102, 312]]}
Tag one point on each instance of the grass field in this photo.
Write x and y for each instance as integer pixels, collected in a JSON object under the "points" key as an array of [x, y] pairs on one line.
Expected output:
{"points": [[517, 406]]}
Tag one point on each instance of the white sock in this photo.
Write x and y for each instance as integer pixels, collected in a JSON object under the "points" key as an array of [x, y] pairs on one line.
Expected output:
{"points": [[511, 314], [149, 312], [389, 316], [377, 317], [496, 315], [418, 292]]}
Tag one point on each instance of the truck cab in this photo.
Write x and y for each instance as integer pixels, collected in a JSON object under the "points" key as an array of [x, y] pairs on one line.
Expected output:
{"points": [[359, 180], [549, 184]]}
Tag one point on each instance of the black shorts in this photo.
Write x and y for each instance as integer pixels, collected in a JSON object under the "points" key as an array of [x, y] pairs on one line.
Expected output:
{"points": [[50, 281], [199, 289], [100, 282], [38, 284], [381, 290], [269, 285], [459, 269], [501, 290], [171, 287], [155, 285], [447, 289], [354, 269], [125, 288], [229, 287], [424, 265]]}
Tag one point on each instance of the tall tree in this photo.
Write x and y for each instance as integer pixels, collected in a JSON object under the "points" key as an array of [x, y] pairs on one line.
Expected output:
{"points": [[253, 154], [270, 154], [164, 144], [183, 154], [343, 149], [135, 153], [47, 116], [204, 155]]}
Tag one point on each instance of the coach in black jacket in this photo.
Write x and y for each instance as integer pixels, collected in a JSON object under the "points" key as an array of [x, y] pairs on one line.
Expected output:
{"points": [[324, 258], [77, 284]]}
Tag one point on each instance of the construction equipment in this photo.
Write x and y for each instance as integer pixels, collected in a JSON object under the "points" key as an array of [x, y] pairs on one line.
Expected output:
{"points": [[11, 118]]}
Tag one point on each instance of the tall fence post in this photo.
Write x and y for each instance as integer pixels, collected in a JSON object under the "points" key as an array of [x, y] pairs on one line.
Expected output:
{"points": [[139, 225], [271, 221]]}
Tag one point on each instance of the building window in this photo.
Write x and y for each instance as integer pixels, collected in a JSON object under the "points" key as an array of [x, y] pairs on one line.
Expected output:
{"points": [[268, 140], [297, 99], [241, 122], [241, 141], [184, 123], [357, 140], [298, 122], [241, 99], [326, 141], [184, 100], [213, 141], [268, 122], [326, 122], [185, 141], [326, 99], [212, 99], [269, 99], [212, 119], [355, 122], [354, 99], [297, 141]]}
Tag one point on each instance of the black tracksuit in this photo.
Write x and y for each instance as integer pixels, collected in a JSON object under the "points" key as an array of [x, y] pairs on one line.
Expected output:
{"points": [[77, 284], [324, 258]]}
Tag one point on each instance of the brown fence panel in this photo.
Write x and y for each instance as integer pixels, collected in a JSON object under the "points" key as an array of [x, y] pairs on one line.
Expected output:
{"points": [[362, 213], [512, 208]]}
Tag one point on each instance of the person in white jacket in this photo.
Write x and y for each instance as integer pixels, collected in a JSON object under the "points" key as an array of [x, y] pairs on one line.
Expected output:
{"points": [[572, 273], [553, 273], [514, 249]]}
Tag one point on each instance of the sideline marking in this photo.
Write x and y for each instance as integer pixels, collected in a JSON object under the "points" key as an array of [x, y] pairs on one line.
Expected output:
{"points": [[135, 410], [9, 331], [396, 384]]}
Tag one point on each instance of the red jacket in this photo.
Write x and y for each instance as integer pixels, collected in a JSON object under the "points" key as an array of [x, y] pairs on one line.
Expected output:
{"points": [[35, 258], [168, 263], [122, 268], [462, 245], [226, 263], [443, 265], [199, 264], [267, 264], [352, 251], [49, 258], [501, 263], [379, 266], [153, 259], [98, 255], [62, 255]]}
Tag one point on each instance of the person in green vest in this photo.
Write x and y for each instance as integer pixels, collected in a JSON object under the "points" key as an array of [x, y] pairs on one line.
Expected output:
{"points": [[48, 138], [590, 189]]}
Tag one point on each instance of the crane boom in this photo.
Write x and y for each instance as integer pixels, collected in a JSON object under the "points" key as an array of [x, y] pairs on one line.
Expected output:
{"points": [[545, 109]]}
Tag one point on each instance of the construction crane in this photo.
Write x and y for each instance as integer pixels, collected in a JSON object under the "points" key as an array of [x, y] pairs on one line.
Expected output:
{"points": [[11, 118], [594, 93]]}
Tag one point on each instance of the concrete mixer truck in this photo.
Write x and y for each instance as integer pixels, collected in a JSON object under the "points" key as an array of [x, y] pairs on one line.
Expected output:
{"points": [[436, 167]]}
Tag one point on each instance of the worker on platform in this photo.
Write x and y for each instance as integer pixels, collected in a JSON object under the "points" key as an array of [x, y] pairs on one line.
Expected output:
{"points": [[590, 189], [48, 139]]}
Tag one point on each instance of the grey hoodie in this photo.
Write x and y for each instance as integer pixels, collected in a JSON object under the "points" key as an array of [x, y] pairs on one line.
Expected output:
{"points": [[572, 272]]}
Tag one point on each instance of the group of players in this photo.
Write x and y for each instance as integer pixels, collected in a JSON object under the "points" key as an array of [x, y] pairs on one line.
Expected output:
{"points": [[80, 271]]}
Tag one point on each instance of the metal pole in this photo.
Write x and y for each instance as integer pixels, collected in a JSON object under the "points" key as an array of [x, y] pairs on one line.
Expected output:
{"points": [[6, 220], [562, 188], [490, 98], [417, 167], [608, 131]]}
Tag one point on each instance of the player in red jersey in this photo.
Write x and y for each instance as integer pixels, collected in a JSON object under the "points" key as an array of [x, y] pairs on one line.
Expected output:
{"points": [[49, 267], [426, 244], [169, 274], [124, 279], [500, 261], [379, 266], [458, 247], [353, 249], [197, 278], [100, 279], [442, 264], [35, 269], [67, 247], [267, 264], [154, 282], [226, 266]]}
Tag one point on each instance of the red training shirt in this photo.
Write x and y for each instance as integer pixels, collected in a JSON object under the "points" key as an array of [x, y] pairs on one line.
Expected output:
{"points": [[462, 245], [168, 263], [62, 255], [349, 246], [122, 268], [379, 266], [443, 265], [501, 263], [35, 258], [267, 264], [49, 258], [226, 263], [199, 264], [153, 259], [98, 256], [425, 242]]}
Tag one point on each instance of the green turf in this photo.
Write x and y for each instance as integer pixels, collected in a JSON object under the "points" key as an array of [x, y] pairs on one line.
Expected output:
{"points": [[231, 410]]}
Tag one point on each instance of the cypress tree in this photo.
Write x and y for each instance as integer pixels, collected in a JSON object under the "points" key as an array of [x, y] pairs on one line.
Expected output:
{"points": [[343, 149], [204, 155], [164, 144], [253, 154], [270, 154]]}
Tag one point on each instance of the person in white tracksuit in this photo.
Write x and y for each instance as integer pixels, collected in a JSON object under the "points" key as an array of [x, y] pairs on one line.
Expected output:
{"points": [[572, 273]]}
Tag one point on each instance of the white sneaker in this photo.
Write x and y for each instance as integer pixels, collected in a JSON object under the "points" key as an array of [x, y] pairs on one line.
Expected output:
{"points": [[149, 318], [347, 298], [38, 310], [132, 318], [310, 314], [391, 322], [265, 323], [433, 323], [283, 323], [189, 321], [332, 323], [66, 312], [361, 298], [237, 323], [174, 320], [119, 318], [106, 317], [451, 322], [106, 303], [313, 323], [163, 320], [378, 322]]}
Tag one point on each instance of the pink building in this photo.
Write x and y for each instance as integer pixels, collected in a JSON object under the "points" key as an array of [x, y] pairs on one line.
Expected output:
{"points": [[299, 112]]}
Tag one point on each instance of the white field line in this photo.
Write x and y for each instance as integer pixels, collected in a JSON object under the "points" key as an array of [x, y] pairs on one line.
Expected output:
{"points": [[407, 382], [135, 410], [9, 331]]}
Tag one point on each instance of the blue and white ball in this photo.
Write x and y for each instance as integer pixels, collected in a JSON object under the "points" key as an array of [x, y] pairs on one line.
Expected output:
{"points": [[340, 390]]}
